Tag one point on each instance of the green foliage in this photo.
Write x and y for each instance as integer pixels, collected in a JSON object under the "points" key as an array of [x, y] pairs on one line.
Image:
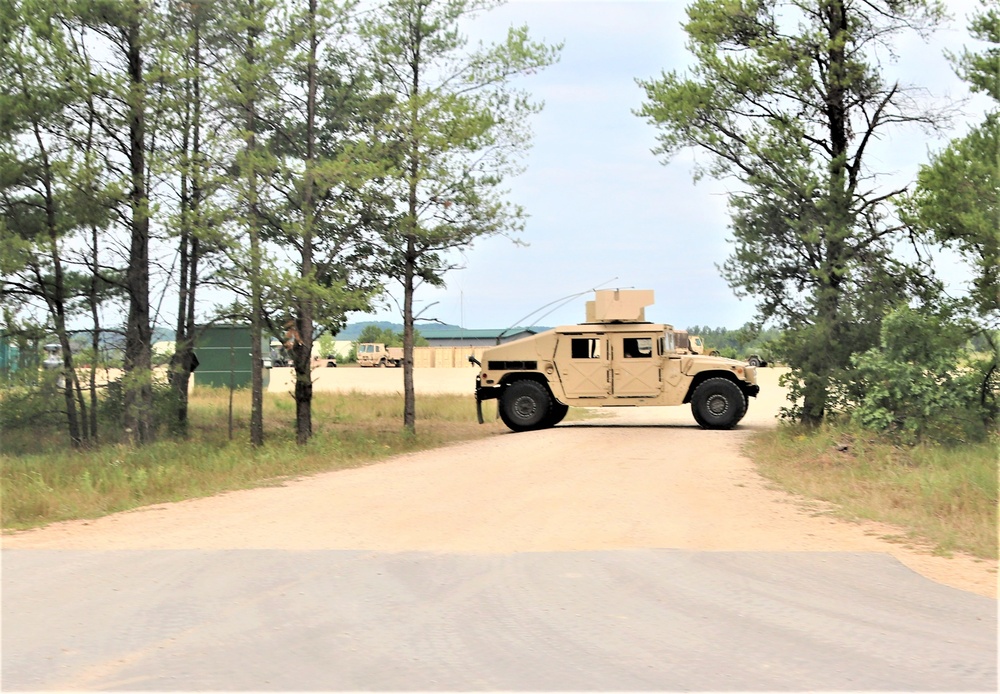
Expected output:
{"points": [[982, 70], [957, 200], [31, 407], [325, 344], [921, 384], [388, 337], [457, 127], [737, 344], [782, 105]]}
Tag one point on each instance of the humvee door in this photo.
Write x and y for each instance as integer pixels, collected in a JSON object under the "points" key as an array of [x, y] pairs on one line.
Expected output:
{"points": [[636, 366], [584, 368]]}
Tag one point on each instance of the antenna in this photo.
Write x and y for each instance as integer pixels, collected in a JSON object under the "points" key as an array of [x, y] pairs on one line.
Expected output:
{"points": [[562, 302]]}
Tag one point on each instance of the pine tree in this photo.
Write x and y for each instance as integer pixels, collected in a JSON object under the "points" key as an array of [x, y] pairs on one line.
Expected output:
{"points": [[787, 98], [458, 127]]}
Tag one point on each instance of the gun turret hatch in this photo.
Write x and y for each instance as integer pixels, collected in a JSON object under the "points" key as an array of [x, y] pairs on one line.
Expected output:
{"points": [[619, 306]]}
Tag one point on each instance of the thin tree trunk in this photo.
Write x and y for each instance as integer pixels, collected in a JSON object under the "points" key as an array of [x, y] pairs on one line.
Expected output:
{"points": [[410, 261], [256, 300], [305, 322], [95, 340], [409, 394], [828, 330], [56, 297], [182, 362], [138, 333]]}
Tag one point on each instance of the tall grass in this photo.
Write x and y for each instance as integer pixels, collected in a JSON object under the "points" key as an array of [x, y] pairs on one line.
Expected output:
{"points": [[942, 496], [42, 480]]}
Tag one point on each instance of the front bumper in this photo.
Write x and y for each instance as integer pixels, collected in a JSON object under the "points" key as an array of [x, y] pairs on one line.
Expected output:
{"points": [[484, 393]]}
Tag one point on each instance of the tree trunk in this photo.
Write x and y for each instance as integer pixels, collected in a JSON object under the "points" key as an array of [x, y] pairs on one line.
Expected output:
{"points": [[95, 342], [182, 362], [55, 298], [256, 299], [409, 395], [304, 324], [828, 333], [410, 261], [138, 389]]}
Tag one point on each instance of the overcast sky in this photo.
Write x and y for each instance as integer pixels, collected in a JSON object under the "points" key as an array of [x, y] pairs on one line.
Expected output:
{"points": [[600, 204]]}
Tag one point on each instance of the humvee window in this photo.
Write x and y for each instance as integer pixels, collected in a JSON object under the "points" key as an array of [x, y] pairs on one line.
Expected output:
{"points": [[637, 347], [585, 348], [669, 341]]}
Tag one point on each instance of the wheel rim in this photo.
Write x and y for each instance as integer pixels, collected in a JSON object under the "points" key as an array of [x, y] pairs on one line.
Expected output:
{"points": [[525, 407], [717, 405]]}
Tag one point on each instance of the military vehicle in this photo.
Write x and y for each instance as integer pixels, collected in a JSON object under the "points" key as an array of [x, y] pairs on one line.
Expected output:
{"points": [[614, 359], [377, 354], [329, 361]]}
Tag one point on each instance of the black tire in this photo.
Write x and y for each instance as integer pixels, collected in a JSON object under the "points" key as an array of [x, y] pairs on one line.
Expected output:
{"points": [[556, 414], [754, 360], [381, 364], [525, 405], [718, 403]]}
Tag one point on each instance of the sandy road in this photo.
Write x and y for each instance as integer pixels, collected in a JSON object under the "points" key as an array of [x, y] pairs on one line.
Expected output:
{"points": [[643, 478]]}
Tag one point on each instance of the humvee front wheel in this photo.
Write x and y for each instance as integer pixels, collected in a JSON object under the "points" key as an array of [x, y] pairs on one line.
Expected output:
{"points": [[718, 403], [525, 405], [556, 414]]}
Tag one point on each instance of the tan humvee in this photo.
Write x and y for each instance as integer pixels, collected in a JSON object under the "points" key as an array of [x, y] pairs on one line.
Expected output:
{"points": [[377, 354], [614, 359]]}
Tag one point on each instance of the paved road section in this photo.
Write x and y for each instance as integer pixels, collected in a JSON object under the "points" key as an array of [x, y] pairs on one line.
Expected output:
{"points": [[625, 620]]}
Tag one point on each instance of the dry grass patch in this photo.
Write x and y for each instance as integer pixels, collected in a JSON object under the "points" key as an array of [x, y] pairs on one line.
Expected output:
{"points": [[944, 496], [42, 480]]}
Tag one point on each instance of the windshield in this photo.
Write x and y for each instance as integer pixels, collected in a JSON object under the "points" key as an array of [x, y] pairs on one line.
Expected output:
{"points": [[669, 342]]}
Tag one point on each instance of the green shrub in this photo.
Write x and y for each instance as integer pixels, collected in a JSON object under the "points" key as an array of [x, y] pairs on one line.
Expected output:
{"points": [[920, 385]]}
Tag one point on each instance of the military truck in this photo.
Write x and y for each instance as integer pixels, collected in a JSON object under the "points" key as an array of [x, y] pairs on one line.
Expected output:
{"points": [[614, 359], [329, 361], [377, 354]]}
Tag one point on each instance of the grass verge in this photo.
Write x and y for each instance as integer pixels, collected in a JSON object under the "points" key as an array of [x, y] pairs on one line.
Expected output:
{"points": [[42, 481], [941, 496]]}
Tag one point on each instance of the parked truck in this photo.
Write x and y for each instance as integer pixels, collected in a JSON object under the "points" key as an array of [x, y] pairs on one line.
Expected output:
{"points": [[377, 354], [614, 359]]}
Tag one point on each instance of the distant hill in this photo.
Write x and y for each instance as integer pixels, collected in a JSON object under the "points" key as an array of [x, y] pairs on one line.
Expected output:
{"points": [[353, 330]]}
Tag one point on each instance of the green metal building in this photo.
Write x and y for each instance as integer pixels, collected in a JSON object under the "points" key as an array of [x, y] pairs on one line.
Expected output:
{"points": [[223, 353], [19, 357]]}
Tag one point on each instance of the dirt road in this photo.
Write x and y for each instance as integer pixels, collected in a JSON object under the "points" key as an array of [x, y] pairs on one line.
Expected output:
{"points": [[642, 478]]}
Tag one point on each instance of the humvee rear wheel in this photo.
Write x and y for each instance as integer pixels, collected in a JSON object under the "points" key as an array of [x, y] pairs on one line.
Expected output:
{"points": [[525, 405], [718, 403]]}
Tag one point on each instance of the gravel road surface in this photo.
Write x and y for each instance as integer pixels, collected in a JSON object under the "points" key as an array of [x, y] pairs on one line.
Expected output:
{"points": [[636, 552]]}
